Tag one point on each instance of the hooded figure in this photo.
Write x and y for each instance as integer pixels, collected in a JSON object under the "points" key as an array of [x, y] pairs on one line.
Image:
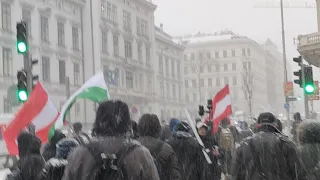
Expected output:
{"points": [[149, 130], [310, 148], [268, 155], [49, 150], [31, 162], [54, 167], [112, 127], [191, 161]]}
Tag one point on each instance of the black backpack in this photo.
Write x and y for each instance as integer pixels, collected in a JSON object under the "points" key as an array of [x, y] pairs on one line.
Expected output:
{"points": [[109, 166]]}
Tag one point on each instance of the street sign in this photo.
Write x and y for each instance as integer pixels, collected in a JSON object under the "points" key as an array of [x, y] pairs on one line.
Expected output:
{"points": [[286, 106], [292, 98], [288, 89], [313, 98]]}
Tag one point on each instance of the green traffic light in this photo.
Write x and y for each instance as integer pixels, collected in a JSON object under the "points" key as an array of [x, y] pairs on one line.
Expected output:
{"points": [[22, 95], [309, 89], [22, 47]]}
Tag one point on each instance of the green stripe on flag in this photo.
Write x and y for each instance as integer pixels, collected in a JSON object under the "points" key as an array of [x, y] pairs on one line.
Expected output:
{"points": [[96, 94]]}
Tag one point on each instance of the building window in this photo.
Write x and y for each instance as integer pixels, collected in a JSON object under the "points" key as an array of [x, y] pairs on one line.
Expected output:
{"points": [[168, 90], [114, 14], [201, 82], [104, 8], [167, 66], [127, 49], [109, 11], [180, 93], [209, 68], [160, 64], [61, 36], [7, 61], [208, 55], [7, 108], [75, 38], [209, 82], [148, 55], [115, 45], [225, 53], [44, 23], [141, 82], [201, 69], [162, 89], [76, 73], [234, 80], [104, 41], [140, 51], [6, 16], [178, 70], [194, 83], [138, 26], [249, 52], [174, 93], [234, 66], [186, 83], [187, 97], [186, 70], [225, 67], [62, 71], [217, 67], [218, 83], [45, 68], [129, 80], [26, 17], [233, 52], [216, 55], [194, 97], [243, 52], [172, 68], [226, 80], [127, 21]]}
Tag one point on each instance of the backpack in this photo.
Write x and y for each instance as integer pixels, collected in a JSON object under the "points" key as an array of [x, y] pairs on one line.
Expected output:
{"points": [[109, 166], [154, 152], [226, 139]]}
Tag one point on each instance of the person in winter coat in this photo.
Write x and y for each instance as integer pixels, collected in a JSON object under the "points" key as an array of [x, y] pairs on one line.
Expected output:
{"points": [[211, 146], [167, 130], [135, 131], [112, 129], [245, 131], [31, 162], [295, 124], [310, 148], [79, 135], [49, 150], [191, 161], [149, 130], [54, 167], [268, 155]]}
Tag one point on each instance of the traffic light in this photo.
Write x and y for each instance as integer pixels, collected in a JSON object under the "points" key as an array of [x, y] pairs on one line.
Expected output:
{"points": [[22, 92], [22, 38], [298, 73], [308, 87]]}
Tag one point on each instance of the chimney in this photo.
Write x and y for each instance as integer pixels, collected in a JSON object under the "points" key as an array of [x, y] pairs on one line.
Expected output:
{"points": [[161, 26]]}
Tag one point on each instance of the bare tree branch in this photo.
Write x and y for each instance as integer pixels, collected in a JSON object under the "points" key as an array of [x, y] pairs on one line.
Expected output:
{"points": [[247, 87]]}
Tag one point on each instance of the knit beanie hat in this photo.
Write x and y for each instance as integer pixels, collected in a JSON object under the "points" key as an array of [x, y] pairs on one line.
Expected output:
{"points": [[64, 147]]}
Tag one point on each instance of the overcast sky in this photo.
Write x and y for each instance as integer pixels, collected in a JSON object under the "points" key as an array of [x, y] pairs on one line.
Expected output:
{"points": [[182, 17]]}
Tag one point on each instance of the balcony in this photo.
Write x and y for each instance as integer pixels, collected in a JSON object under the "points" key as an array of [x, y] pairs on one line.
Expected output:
{"points": [[309, 48]]}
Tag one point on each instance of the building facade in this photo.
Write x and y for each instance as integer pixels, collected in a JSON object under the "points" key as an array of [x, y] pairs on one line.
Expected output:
{"points": [[120, 40], [214, 60], [169, 78], [54, 32]]}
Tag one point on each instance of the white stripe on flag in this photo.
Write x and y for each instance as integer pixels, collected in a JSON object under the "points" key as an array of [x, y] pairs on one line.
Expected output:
{"points": [[46, 116], [222, 105]]}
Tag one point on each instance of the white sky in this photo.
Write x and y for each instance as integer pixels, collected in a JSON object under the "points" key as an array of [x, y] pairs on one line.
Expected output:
{"points": [[190, 16]]}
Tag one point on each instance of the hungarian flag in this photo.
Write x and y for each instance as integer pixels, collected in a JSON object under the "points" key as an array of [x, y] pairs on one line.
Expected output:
{"points": [[221, 107], [39, 111], [94, 89]]}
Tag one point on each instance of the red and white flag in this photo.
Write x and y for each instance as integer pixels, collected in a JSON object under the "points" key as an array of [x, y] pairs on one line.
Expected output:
{"points": [[221, 107], [39, 110]]}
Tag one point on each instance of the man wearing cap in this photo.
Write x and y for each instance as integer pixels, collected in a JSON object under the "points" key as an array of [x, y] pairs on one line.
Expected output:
{"points": [[268, 154]]}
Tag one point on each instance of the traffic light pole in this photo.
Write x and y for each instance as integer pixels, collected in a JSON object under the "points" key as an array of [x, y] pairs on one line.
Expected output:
{"points": [[27, 61], [306, 100]]}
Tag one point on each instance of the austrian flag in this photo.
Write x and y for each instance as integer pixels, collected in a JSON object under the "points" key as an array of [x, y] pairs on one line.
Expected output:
{"points": [[221, 107], [39, 110]]}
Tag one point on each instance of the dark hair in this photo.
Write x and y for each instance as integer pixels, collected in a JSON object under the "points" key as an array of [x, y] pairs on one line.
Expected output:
{"points": [[31, 166], [112, 119], [28, 144], [135, 129], [149, 125], [77, 127]]}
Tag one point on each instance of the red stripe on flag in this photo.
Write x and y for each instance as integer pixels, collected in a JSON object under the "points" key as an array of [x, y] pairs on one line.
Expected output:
{"points": [[37, 100], [43, 133]]}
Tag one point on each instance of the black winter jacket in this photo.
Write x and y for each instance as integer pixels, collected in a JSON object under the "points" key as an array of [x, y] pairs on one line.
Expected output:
{"points": [[164, 155]]}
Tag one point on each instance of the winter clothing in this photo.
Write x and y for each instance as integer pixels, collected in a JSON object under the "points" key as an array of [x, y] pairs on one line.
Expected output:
{"points": [[166, 133], [267, 155], [191, 161], [64, 147], [150, 129], [53, 169], [28, 144], [49, 150], [173, 124], [138, 164], [295, 124], [310, 148], [134, 129]]}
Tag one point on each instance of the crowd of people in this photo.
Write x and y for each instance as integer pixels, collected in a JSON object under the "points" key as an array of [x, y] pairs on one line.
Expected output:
{"points": [[123, 149]]}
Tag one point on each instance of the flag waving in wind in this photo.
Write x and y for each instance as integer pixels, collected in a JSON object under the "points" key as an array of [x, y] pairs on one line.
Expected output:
{"points": [[221, 107], [94, 89], [39, 111]]}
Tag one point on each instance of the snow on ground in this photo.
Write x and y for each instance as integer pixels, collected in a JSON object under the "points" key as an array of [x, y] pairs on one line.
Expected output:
{"points": [[3, 173]]}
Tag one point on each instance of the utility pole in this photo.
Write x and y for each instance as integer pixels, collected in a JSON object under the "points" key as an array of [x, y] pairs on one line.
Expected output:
{"points": [[285, 74], [305, 96], [68, 93]]}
